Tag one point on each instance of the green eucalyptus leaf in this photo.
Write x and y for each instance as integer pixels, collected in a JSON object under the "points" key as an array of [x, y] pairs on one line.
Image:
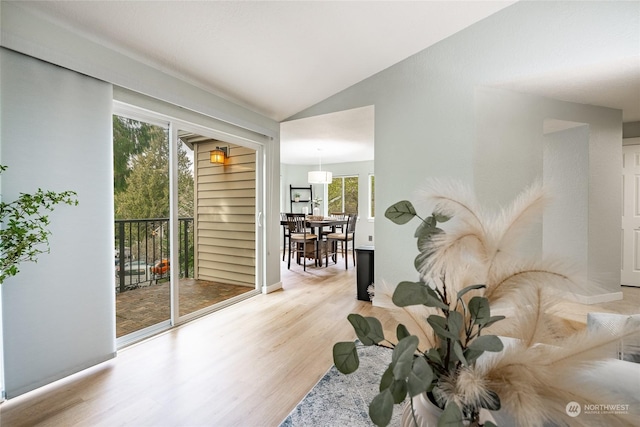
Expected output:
{"points": [[439, 325], [399, 390], [425, 229], [362, 328], [381, 408], [420, 377], [402, 357], [418, 262], [345, 357], [434, 299], [457, 350], [492, 320], [376, 334], [387, 378], [469, 288], [400, 212], [472, 355], [451, 416], [487, 343], [440, 217], [402, 332], [479, 309], [438, 320], [455, 322], [416, 293], [434, 355], [368, 329], [410, 293]]}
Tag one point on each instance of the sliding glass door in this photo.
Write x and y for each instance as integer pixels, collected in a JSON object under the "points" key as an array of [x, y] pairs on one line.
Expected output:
{"points": [[221, 238], [187, 239], [141, 206]]}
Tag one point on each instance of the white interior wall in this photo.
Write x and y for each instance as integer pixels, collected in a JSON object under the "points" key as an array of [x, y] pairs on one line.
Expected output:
{"points": [[58, 313], [424, 106], [510, 123], [565, 230]]}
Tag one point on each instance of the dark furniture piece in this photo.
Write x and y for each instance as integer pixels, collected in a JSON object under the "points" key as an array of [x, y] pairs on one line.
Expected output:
{"points": [[364, 271], [285, 232], [299, 238], [316, 226], [306, 197], [347, 235]]}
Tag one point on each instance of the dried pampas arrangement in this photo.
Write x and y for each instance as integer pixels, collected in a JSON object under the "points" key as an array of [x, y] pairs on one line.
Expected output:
{"points": [[469, 260]]}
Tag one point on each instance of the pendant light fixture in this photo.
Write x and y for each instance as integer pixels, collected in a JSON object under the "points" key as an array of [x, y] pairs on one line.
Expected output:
{"points": [[320, 176]]}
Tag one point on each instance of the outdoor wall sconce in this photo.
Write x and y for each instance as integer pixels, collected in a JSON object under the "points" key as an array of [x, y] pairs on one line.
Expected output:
{"points": [[219, 155]]}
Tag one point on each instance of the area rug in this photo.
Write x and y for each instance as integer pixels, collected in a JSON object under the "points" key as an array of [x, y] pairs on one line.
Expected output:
{"points": [[343, 400]]}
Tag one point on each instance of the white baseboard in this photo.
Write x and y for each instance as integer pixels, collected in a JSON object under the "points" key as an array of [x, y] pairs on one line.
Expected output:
{"points": [[271, 288], [595, 299]]}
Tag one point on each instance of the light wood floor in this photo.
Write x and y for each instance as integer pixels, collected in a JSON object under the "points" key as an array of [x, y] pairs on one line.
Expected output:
{"points": [[246, 365]]}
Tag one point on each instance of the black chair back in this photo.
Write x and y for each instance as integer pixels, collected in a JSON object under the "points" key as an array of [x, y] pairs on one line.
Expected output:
{"points": [[351, 223], [296, 223]]}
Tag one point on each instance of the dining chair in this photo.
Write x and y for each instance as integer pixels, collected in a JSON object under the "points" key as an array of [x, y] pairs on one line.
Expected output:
{"points": [[299, 238], [348, 235], [334, 229], [285, 231]]}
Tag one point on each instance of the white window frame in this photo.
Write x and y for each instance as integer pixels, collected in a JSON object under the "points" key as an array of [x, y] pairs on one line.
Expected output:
{"points": [[174, 124], [370, 200]]}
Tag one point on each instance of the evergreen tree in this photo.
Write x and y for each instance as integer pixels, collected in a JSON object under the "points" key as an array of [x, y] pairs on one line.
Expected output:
{"points": [[130, 137], [146, 193]]}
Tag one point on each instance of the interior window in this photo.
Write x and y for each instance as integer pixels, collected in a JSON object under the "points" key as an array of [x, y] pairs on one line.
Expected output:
{"points": [[372, 196], [343, 194]]}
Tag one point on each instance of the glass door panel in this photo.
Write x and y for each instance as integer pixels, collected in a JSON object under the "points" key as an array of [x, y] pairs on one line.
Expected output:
{"points": [[141, 205], [217, 209]]}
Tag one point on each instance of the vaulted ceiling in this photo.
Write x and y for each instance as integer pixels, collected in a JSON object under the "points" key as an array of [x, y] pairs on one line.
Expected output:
{"points": [[274, 57], [280, 57]]}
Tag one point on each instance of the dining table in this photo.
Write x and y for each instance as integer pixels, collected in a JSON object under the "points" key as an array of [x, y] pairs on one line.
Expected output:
{"points": [[319, 224], [316, 225]]}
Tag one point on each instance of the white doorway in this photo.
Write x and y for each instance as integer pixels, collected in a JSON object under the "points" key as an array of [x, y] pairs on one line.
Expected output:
{"points": [[630, 268]]}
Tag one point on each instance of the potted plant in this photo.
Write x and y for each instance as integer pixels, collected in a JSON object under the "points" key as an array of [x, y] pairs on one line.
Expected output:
{"points": [[461, 369], [24, 234], [296, 197]]}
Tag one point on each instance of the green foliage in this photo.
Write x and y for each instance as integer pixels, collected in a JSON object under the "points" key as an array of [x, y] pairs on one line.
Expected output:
{"points": [[130, 138], [368, 329], [451, 416], [145, 192], [343, 194], [345, 356], [24, 234], [457, 328]]}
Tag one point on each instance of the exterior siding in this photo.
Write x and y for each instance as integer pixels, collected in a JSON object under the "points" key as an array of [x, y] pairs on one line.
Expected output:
{"points": [[225, 215]]}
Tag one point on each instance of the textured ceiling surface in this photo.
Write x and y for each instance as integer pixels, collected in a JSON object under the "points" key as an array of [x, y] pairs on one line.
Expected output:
{"points": [[280, 57], [274, 57]]}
